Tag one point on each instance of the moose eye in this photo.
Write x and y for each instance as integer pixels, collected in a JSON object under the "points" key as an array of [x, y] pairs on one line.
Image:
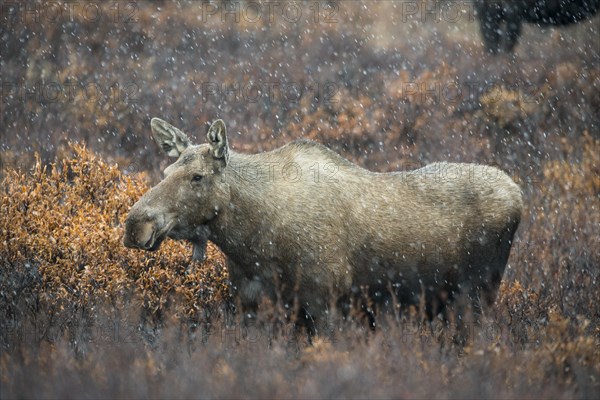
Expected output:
{"points": [[197, 178]]}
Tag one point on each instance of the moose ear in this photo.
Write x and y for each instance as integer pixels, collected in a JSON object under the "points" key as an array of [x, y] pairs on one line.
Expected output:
{"points": [[170, 139], [217, 138]]}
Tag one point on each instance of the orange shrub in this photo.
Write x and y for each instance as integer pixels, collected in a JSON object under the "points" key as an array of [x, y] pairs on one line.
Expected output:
{"points": [[64, 222]]}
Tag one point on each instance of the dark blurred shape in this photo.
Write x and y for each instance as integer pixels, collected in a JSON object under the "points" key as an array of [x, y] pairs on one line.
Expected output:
{"points": [[501, 20]]}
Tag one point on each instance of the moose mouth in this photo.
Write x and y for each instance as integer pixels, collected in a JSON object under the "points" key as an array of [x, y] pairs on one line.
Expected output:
{"points": [[158, 236], [153, 242]]}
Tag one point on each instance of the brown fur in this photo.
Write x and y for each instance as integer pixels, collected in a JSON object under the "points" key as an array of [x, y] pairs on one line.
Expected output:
{"points": [[287, 228]]}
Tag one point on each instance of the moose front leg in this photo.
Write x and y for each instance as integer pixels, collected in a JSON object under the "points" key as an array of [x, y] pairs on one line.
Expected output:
{"points": [[245, 288], [512, 30], [491, 17]]}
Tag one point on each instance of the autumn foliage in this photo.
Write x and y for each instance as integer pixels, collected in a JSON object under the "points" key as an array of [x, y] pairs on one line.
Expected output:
{"points": [[81, 315], [62, 229]]}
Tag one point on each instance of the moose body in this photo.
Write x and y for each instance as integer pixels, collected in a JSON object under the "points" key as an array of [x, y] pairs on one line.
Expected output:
{"points": [[501, 20], [305, 224]]}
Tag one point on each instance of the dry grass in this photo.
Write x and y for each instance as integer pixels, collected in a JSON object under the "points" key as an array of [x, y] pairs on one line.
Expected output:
{"points": [[81, 316]]}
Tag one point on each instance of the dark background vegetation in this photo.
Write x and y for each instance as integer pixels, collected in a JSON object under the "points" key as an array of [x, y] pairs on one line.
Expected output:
{"points": [[387, 85]]}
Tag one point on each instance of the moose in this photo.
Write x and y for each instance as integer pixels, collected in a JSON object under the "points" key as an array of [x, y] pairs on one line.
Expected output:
{"points": [[305, 224], [500, 20]]}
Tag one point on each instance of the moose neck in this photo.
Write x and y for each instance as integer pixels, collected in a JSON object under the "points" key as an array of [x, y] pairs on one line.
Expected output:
{"points": [[247, 179]]}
